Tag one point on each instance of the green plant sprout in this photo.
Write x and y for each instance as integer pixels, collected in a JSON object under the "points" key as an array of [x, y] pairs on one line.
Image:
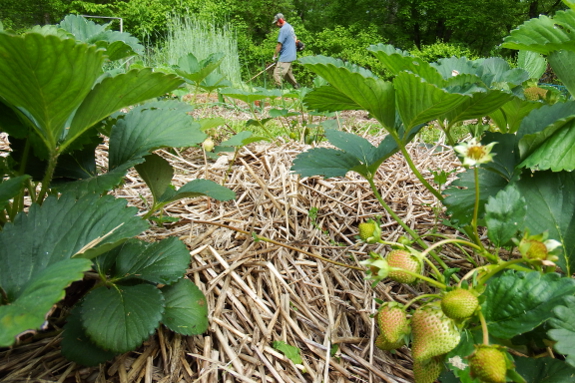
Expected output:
{"points": [[517, 180]]}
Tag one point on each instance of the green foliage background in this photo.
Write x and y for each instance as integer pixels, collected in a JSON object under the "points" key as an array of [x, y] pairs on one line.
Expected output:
{"points": [[336, 28]]}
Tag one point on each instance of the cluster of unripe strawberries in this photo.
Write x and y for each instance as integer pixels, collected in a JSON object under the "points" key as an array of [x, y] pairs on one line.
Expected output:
{"points": [[434, 327]]}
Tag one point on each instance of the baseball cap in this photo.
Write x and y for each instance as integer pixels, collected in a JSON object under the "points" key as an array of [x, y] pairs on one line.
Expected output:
{"points": [[277, 17]]}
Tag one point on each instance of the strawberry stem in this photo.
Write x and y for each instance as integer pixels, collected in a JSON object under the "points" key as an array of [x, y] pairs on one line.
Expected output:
{"points": [[422, 277], [484, 328], [418, 298]]}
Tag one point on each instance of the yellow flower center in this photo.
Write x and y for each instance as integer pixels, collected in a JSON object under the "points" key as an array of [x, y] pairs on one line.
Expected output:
{"points": [[476, 152]]}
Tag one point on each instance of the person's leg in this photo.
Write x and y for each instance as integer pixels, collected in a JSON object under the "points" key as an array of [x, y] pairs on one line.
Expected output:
{"points": [[290, 78], [280, 72]]}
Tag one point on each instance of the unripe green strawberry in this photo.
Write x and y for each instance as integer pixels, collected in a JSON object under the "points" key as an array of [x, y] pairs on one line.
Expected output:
{"points": [[370, 231], [459, 304], [393, 326], [366, 230], [433, 332], [403, 259], [208, 144], [427, 371], [533, 249], [488, 364]]}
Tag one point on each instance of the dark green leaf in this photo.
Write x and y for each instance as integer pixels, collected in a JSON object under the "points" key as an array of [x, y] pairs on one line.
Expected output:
{"points": [[198, 188], [544, 370], [517, 302], [324, 162], [356, 84], [509, 117], [10, 188], [556, 152], [551, 208], [504, 216], [544, 35], [77, 347], [186, 308], [58, 230], [564, 329], [419, 102], [117, 92], [46, 78], [145, 129], [120, 318], [28, 307], [561, 61], [160, 262], [157, 173]]}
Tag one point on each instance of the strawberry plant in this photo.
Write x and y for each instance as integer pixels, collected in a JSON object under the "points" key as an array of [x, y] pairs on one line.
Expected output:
{"points": [[59, 223], [514, 309]]}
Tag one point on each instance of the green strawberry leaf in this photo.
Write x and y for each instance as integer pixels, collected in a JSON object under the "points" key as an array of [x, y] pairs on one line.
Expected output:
{"points": [[77, 347], [544, 34], [534, 63], [356, 85], [27, 309], [117, 92], [541, 124], [241, 139], [508, 118], [324, 162], [159, 262], [561, 62], [59, 230], [517, 302], [504, 216], [551, 208], [48, 92], [563, 329], [120, 318], [157, 173], [197, 188], [10, 188], [118, 45], [196, 71], [556, 152], [419, 102], [357, 154], [186, 308], [544, 370]]}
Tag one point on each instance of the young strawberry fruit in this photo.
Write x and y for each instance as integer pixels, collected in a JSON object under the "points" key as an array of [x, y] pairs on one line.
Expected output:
{"points": [[427, 371], [393, 327], [369, 231], [403, 259], [433, 332], [459, 304], [488, 364]]}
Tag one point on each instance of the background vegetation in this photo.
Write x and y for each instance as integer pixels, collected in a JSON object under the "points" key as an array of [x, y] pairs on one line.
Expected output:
{"points": [[336, 28]]}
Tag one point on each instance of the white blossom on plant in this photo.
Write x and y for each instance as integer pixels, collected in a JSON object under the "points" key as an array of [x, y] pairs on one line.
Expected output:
{"points": [[474, 153]]}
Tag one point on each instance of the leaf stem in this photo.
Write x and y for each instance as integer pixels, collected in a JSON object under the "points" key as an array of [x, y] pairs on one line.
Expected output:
{"points": [[501, 267], [484, 329], [401, 223], [422, 277], [476, 207], [414, 169], [418, 298], [52, 161]]}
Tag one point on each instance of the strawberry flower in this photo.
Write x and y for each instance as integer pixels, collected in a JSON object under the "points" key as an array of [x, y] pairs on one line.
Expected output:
{"points": [[474, 153]]}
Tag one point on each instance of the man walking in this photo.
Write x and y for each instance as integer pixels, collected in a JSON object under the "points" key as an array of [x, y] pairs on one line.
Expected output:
{"points": [[286, 50]]}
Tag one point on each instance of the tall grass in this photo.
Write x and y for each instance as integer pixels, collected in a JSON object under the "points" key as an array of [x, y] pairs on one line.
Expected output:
{"points": [[189, 34]]}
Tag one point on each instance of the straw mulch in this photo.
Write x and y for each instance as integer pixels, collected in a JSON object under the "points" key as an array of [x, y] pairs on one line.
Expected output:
{"points": [[259, 292]]}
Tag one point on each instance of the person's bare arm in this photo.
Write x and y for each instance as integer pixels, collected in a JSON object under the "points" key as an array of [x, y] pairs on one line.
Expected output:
{"points": [[278, 49]]}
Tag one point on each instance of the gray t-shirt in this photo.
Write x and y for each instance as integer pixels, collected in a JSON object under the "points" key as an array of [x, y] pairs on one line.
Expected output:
{"points": [[287, 39]]}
